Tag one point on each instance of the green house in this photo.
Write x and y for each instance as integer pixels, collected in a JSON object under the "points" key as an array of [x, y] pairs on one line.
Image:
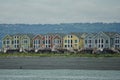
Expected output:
{"points": [[17, 41]]}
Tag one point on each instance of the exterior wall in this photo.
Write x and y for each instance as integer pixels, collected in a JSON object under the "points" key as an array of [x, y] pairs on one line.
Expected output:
{"points": [[81, 43], [37, 42], [102, 41], [16, 42], [89, 42], [71, 42], [48, 41], [57, 42], [7, 42], [25, 42], [99, 40], [116, 41]]}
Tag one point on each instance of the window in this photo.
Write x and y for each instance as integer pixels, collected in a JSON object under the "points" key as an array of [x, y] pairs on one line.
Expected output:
{"points": [[49, 41], [3, 42], [43, 42], [99, 40], [71, 41], [89, 46], [75, 41], [17, 46], [106, 41], [46, 41], [68, 41], [65, 41], [116, 41], [34, 46], [99, 46], [68, 45], [102, 46], [38, 41], [8, 42], [12, 42], [25, 41], [68, 36], [60, 41], [117, 46], [96, 41], [65, 46], [102, 41], [17, 41], [90, 41], [85, 41]]}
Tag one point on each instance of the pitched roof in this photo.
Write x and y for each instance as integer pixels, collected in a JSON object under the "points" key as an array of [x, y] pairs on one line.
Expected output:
{"points": [[29, 35], [110, 34], [79, 35]]}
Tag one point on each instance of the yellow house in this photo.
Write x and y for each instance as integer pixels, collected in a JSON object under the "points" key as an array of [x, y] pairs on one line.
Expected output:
{"points": [[70, 41]]}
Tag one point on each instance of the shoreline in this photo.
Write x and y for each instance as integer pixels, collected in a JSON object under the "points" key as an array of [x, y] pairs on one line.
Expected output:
{"points": [[5, 55]]}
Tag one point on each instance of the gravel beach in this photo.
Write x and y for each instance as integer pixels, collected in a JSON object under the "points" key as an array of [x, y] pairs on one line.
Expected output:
{"points": [[60, 63]]}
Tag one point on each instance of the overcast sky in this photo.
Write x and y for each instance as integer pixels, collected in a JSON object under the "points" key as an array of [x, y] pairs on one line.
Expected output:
{"points": [[59, 11]]}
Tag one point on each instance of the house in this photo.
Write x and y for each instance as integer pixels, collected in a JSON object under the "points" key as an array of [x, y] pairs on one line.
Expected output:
{"points": [[47, 41], [7, 42], [116, 41], [37, 42], [26, 41], [81, 37], [89, 40], [17, 41], [102, 40], [70, 41], [58, 40]]}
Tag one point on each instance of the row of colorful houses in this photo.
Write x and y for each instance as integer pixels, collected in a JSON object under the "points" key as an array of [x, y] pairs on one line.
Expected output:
{"points": [[69, 41]]}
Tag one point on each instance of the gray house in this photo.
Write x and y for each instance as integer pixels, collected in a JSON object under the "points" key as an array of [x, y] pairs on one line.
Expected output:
{"points": [[116, 42], [102, 40], [89, 40]]}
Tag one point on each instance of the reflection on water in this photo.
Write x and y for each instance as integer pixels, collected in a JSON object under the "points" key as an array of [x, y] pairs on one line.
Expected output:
{"points": [[6, 74]]}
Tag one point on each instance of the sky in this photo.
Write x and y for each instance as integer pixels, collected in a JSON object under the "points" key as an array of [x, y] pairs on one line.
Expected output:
{"points": [[59, 11]]}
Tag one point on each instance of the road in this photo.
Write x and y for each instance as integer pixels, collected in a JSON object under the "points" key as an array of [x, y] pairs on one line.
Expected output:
{"points": [[60, 63]]}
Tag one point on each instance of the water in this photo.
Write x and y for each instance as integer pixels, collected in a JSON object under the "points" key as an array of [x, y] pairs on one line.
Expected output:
{"points": [[59, 74]]}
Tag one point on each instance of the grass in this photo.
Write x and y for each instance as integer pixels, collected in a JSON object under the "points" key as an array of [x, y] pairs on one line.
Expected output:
{"points": [[56, 55]]}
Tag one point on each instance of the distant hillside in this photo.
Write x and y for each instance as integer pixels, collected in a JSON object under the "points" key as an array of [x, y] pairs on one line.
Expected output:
{"points": [[60, 28]]}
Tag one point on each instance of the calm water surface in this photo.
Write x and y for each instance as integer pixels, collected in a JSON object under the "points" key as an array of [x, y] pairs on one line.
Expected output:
{"points": [[59, 74]]}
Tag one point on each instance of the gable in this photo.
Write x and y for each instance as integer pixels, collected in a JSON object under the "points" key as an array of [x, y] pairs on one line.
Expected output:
{"points": [[57, 37], [25, 37], [117, 35], [7, 36], [90, 36], [101, 34], [37, 37]]}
